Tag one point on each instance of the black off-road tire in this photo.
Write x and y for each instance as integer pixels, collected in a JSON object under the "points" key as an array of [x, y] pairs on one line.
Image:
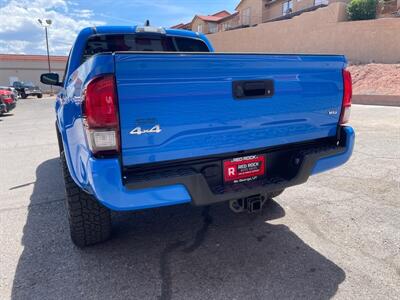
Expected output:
{"points": [[39, 95], [89, 221]]}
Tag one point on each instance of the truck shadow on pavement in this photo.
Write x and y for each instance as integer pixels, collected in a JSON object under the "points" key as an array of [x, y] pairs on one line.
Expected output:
{"points": [[179, 252]]}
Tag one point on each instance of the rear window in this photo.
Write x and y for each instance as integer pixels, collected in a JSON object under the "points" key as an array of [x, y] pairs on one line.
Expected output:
{"points": [[131, 42]]}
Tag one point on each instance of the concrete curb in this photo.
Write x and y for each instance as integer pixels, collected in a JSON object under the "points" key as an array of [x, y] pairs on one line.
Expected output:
{"points": [[385, 100]]}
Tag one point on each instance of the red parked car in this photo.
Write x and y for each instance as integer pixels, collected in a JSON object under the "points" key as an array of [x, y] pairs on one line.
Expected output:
{"points": [[7, 101]]}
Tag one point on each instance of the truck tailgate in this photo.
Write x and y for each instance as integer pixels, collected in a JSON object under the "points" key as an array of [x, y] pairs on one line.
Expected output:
{"points": [[178, 106]]}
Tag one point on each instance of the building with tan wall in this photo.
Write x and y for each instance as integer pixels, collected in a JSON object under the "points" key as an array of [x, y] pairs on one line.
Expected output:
{"points": [[230, 22], [251, 13], [184, 26], [28, 68], [361, 41], [262, 11], [211, 23]]}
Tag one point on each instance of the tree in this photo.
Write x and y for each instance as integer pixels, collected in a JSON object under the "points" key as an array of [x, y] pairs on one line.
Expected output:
{"points": [[362, 9]]}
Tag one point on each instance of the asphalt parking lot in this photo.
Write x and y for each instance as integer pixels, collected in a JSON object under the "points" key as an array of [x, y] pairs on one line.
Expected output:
{"points": [[336, 236]]}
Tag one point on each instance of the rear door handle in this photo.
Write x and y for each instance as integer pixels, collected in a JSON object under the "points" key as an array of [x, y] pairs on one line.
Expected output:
{"points": [[249, 89]]}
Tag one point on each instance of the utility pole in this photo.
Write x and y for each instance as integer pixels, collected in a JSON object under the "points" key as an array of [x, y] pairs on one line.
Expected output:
{"points": [[46, 23]]}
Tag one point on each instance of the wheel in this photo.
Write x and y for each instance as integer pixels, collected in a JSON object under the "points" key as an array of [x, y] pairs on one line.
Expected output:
{"points": [[89, 221], [39, 95], [23, 95]]}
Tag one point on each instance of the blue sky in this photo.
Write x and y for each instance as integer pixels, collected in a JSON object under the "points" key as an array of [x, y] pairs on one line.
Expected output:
{"points": [[23, 34]]}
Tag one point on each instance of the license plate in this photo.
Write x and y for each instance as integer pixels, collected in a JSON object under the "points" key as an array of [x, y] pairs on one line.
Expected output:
{"points": [[243, 169]]}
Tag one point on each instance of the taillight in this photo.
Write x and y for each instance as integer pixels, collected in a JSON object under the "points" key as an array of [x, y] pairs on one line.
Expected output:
{"points": [[8, 100], [347, 94], [101, 116]]}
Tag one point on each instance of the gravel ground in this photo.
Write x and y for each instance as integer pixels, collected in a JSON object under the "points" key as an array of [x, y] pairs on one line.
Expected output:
{"points": [[376, 79], [337, 236]]}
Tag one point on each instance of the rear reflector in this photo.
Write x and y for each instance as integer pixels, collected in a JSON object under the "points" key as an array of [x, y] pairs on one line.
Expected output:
{"points": [[101, 117], [347, 94]]}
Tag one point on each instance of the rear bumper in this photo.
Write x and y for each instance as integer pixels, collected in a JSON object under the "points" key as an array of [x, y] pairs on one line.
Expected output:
{"points": [[184, 184]]}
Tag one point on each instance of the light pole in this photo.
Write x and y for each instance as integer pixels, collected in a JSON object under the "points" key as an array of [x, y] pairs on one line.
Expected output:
{"points": [[46, 23]]}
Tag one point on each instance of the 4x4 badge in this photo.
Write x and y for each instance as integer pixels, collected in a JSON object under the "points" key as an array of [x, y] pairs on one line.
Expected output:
{"points": [[139, 131]]}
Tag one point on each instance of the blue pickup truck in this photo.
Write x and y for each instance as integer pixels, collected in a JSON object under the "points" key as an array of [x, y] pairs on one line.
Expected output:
{"points": [[149, 117]]}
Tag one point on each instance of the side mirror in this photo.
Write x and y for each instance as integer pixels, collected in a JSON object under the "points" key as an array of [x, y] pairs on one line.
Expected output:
{"points": [[50, 79]]}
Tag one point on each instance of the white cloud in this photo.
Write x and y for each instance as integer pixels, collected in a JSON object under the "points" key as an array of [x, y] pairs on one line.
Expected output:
{"points": [[23, 34], [13, 46], [83, 13]]}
